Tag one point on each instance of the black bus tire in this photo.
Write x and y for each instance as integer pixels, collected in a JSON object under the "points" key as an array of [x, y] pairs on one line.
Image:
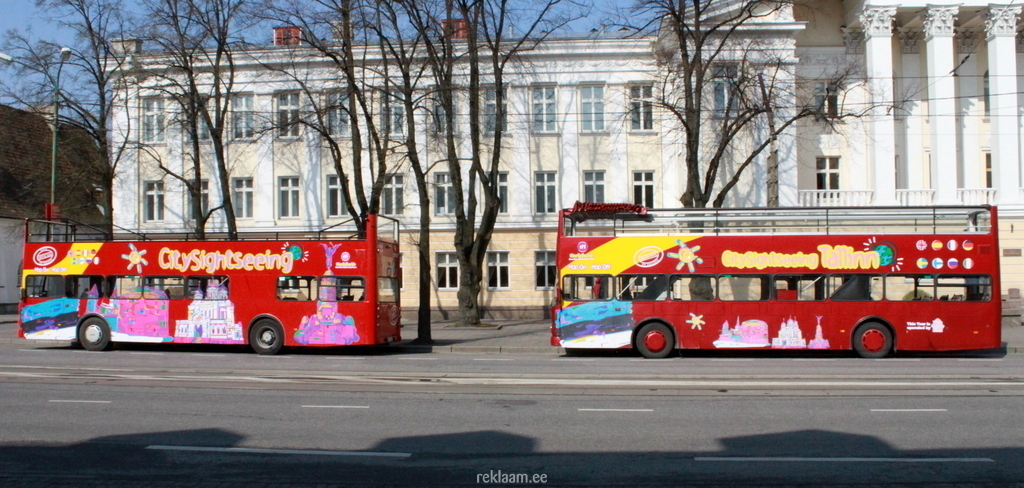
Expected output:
{"points": [[94, 334], [872, 340], [266, 337], [655, 341]]}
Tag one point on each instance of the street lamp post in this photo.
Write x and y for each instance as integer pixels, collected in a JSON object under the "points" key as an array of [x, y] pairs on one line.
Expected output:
{"points": [[65, 55]]}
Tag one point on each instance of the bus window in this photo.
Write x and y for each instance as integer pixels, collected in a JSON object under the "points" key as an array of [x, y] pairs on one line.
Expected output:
{"points": [[807, 287], [697, 288], [85, 286], [976, 288], [44, 286], [163, 287], [743, 288], [907, 288], [642, 287], [855, 287], [207, 287], [585, 288], [301, 288], [126, 287], [387, 290], [342, 289]]}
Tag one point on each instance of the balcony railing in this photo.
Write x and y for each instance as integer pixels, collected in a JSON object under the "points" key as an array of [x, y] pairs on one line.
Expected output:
{"points": [[977, 196], [835, 198], [906, 198]]}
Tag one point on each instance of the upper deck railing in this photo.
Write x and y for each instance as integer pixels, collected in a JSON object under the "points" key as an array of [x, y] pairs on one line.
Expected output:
{"points": [[70, 231], [637, 221]]}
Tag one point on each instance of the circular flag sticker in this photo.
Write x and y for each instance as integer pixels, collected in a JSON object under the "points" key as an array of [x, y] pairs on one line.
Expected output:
{"points": [[951, 245], [937, 245], [922, 263], [968, 263], [937, 263], [952, 263], [921, 245], [968, 245]]}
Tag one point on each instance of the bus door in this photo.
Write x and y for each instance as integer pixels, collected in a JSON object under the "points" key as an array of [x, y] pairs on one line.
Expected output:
{"points": [[692, 307], [802, 312]]}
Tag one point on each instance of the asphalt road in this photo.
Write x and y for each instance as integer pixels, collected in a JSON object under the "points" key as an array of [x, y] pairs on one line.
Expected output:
{"points": [[170, 417]]}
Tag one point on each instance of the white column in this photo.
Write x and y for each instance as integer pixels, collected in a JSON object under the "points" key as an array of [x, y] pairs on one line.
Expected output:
{"points": [[569, 171], [1001, 31], [938, 32], [264, 211], [877, 21]]}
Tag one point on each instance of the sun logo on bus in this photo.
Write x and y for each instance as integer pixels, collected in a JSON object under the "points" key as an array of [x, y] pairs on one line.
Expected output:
{"points": [[296, 251], [886, 253], [686, 256], [135, 258]]}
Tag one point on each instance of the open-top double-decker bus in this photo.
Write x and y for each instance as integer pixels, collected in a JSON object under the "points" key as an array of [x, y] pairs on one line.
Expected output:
{"points": [[870, 279], [335, 287]]}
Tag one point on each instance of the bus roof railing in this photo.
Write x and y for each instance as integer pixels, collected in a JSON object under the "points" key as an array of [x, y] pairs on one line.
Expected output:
{"points": [[782, 221], [66, 230]]}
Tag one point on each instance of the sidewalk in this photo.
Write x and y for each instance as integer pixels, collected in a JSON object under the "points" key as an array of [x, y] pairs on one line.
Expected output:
{"points": [[499, 337]]}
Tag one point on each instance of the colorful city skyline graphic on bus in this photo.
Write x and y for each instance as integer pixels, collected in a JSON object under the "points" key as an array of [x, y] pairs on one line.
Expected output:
{"points": [[328, 326]]}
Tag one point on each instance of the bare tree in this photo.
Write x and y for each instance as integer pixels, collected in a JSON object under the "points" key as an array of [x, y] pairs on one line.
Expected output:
{"points": [[87, 89], [728, 91], [199, 40]]}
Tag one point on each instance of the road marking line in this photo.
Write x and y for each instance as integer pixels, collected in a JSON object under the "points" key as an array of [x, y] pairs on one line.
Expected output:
{"points": [[344, 357], [898, 359], [909, 410], [813, 359], [146, 353], [208, 355], [493, 359], [847, 459], [79, 401], [419, 359], [335, 406], [302, 452], [731, 359], [615, 409], [572, 359]]}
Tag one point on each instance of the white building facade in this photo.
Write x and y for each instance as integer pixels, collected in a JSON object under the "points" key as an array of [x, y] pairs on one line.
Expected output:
{"points": [[940, 83]]}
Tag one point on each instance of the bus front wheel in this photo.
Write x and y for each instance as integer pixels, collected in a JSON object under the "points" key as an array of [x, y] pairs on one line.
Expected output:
{"points": [[94, 334], [655, 341], [872, 340], [266, 337]]}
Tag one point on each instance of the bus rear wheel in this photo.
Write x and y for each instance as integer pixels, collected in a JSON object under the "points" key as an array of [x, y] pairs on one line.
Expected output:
{"points": [[872, 340], [266, 337], [655, 341], [94, 334]]}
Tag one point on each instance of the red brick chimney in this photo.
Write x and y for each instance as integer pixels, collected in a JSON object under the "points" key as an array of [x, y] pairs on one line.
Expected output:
{"points": [[287, 36]]}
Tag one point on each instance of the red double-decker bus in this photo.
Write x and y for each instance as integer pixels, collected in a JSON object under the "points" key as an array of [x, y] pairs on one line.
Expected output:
{"points": [[268, 290], [874, 280]]}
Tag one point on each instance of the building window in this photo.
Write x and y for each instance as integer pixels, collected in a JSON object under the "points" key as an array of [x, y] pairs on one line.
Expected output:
{"points": [[643, 188], [826, 100], [492, 121], [288, 114], [241, 197], [335, 197], [497, 270], [828, 173], [393, 195], [503, 192], [544, 109], [988, 170], [204, 200], [447, 271], [641, 107], [288, 196], [153, 204], [336, 114], [444, 196], [723, 87], [544, 265], [393, 113], [593, 186], [440, 120], [243, 117], [153, 119], [545, 191], [592, 107]]}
